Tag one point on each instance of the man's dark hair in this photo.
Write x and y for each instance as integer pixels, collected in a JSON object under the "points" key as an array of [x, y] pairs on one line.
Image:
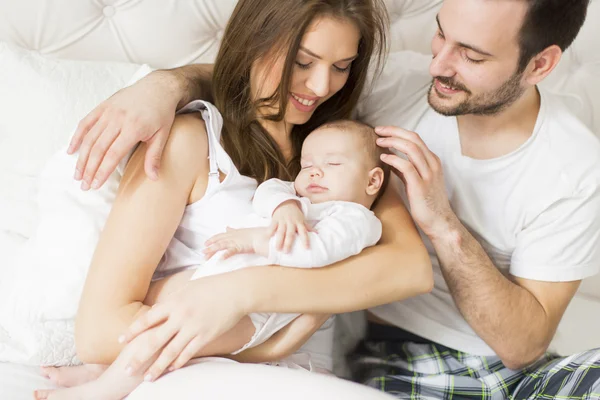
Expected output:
{"points": [[547, 23]]}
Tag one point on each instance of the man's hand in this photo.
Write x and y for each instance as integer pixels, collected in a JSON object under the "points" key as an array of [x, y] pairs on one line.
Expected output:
{"points": [[287, 221], [238, 241], [142, 112], [423, 177]]}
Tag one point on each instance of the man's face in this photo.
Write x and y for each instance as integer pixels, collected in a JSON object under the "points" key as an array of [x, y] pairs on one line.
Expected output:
{"points": [[475, 57]]}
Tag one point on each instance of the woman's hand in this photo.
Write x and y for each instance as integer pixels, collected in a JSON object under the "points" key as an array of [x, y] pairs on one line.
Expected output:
{"points": [[238, 241], [287, 221], [184, 323], [142, 112]]}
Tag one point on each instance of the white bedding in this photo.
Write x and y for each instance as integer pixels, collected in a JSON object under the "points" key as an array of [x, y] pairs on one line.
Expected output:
{"points": [[212, 380], [41, 279], [17, 382]]}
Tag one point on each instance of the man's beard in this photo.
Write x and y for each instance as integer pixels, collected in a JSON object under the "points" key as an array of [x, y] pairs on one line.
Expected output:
{"points": [[489, 103]]}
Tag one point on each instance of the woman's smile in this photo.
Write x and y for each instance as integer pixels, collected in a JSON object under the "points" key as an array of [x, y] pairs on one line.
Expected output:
{"points": [[304, 103]]}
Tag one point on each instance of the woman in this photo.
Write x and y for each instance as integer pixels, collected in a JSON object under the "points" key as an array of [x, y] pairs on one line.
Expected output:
{"points": [[284, 68]]}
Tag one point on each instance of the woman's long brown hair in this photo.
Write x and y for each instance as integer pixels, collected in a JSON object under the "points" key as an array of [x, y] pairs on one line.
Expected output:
{"points": [[261, 28]]}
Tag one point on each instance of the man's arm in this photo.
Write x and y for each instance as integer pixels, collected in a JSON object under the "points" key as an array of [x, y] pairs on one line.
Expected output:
{"points": [[516, 317], [142, 112], [191, 82]]}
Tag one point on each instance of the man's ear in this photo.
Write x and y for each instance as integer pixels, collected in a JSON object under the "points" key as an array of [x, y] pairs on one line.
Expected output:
{"points": [[376, 177], [542, 64]]}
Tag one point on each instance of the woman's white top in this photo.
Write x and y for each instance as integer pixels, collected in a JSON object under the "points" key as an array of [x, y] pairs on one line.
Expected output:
{"points": [[224, 203]]}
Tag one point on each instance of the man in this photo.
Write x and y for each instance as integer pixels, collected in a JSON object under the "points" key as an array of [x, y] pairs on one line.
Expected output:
{"points": [[504, 185]]}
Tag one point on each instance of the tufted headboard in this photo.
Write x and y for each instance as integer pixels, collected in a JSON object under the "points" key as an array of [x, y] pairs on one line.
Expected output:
{"points": [[170, 33], [162, 33]]}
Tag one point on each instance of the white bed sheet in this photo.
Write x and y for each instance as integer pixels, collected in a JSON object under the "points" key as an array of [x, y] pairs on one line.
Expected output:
{"points": [[17, 382]]}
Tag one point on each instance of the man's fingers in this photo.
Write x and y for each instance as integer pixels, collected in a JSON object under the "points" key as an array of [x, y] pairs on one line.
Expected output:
{"points": [[151, 318], [156, 145], [391, 131], [407, 170], [167, 356], [98, 153], [413, 152], [394, 131], [112, 157], [83, 128], [85, 150]]}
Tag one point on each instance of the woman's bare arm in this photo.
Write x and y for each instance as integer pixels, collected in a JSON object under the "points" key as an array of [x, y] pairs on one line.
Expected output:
{"points": [[141, 224]]}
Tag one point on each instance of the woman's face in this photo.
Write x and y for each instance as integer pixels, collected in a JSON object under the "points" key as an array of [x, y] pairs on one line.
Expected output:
{"points": [[321, 69]]}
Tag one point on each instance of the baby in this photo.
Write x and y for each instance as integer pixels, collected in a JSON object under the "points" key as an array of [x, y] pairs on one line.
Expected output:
{"points": [[328, 205]]}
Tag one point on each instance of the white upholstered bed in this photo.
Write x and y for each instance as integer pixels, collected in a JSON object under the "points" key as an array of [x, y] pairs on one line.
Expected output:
{"points": [[169, 33]]}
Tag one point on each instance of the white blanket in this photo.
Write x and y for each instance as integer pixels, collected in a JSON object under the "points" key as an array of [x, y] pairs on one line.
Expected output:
{"points": [[40, 293], [48, 227]]}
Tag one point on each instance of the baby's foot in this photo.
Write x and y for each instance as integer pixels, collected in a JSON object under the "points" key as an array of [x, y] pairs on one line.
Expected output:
{"points": [[73, 376]]}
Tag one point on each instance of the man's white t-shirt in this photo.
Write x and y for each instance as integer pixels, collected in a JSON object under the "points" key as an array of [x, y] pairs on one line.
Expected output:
{"points": [[535, 211]]}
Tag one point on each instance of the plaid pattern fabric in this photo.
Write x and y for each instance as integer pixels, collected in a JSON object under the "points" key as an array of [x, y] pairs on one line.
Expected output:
{"points": [[430, 371]]}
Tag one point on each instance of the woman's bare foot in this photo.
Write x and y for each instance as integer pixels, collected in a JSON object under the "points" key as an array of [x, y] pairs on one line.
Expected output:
{"points": [[89, 391], [73, 376], [104, 388]]}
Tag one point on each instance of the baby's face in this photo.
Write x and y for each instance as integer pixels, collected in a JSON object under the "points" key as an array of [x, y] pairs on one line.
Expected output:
{"points": [[334, 167]]}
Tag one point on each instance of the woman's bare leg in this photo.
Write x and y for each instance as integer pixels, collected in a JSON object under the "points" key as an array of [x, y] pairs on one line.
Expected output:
{"points": [[77, 375], [115, 383], [73, 376]]}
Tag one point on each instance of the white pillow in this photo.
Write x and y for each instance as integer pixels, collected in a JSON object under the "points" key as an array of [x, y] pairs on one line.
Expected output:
{"points": [[41, 279], [41, 102]]}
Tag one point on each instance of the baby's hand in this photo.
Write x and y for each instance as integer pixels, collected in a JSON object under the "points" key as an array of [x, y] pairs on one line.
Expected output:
{"points": [[288, 220], [238, 241]]}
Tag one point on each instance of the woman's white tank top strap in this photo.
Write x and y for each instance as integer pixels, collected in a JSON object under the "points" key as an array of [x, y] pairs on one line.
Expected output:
{"points": [[214, 123], [223, 204]]}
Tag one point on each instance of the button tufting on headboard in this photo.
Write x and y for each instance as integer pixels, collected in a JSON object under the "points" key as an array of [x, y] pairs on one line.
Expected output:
{"points": [[109, 11]]}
